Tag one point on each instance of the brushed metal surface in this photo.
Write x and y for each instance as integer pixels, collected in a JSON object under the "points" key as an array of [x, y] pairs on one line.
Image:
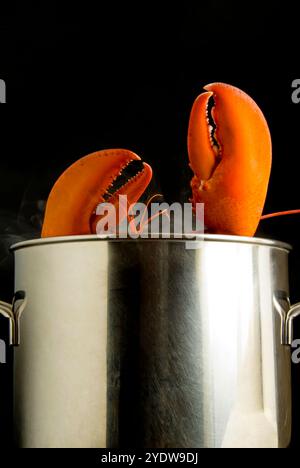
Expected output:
{"points": [[147, 344]]}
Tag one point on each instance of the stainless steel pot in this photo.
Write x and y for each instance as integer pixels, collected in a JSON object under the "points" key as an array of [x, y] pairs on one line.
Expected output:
{"points": [[145, 343]]}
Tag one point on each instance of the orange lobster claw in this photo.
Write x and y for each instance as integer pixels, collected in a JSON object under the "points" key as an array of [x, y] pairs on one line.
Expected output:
{"points": [[230, 153], [76, 194]]}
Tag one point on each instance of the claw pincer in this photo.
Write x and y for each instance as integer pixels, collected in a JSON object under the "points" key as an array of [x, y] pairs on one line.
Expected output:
{"points": [[74, 197], [229, 148]]}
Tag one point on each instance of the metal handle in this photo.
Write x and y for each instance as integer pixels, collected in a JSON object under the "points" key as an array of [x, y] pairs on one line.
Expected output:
{"points": [[287, 314], [13, 312]]}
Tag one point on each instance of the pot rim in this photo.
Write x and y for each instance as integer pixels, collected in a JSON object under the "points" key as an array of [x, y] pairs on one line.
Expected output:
{"points": [[183, 238]]}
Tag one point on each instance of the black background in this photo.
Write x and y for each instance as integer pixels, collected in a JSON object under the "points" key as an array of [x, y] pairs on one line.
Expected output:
{"points": [[82, 78]]}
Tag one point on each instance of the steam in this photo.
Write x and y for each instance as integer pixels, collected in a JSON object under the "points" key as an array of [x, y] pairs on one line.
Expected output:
{"points": [[24, 225]]}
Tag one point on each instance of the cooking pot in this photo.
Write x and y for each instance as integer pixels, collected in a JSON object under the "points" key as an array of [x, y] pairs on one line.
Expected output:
{"points": [[156, 343]]}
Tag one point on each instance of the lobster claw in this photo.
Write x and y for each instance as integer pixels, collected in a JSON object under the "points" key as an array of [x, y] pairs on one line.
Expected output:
{"points": [[77, 192], [229, 147]]}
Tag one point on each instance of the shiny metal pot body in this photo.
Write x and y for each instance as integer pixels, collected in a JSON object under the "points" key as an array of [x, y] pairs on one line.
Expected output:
{"points": [[152, 343]]}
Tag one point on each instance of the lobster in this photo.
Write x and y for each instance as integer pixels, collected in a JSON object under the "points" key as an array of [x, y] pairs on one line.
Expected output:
{"points": [[72, 203], [230, 153]]}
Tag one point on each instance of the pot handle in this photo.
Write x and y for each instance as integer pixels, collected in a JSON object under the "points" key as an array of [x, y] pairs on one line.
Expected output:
{"points": [[13, 312], [287, 314]]}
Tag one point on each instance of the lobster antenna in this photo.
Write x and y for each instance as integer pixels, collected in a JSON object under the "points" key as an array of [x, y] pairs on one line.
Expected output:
{"points": [[280, 213]]}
